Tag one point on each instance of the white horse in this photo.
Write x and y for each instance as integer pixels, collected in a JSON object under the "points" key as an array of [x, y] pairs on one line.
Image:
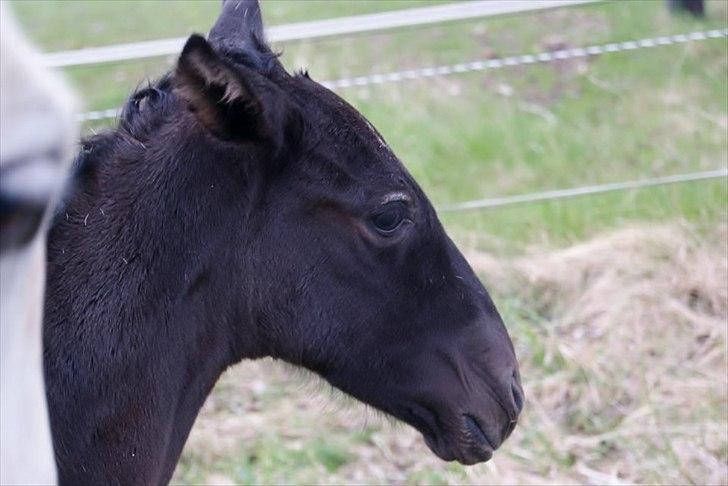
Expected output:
{"points": [[37, 134]]}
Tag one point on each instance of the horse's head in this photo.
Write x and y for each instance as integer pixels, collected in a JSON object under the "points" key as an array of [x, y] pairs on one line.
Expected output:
{"points": [[37, 132], [37, 125], [348, 271]]}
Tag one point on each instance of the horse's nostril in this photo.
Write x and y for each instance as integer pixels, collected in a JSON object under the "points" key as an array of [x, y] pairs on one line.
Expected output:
{"points": [[517, 394]]}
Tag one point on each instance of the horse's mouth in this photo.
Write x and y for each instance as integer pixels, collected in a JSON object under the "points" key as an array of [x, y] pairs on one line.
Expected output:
{"points": [[462, 438], [476, 432]]}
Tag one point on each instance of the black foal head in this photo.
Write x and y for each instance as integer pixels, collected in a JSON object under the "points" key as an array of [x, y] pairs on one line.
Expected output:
{"points": [[339, 263]]}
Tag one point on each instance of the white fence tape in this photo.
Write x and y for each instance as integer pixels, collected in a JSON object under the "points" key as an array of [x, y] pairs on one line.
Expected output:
{"points": [[315, 29], [582, 191]]}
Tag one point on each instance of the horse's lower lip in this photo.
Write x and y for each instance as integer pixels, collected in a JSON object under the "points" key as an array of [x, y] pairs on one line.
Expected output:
{"points": [[449, 445], [476, 432], [468, 443], [468, 455]]}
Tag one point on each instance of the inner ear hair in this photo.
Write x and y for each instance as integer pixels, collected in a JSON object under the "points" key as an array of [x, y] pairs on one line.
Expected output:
{"points": [[217, 92], [207, 69]]}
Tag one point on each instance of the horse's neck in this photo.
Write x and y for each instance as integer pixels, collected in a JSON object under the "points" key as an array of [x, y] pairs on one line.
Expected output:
{"points": [[131, 350], [25, 441]]}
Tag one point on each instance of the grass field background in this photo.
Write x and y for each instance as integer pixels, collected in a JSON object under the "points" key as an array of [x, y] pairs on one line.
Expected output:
{"points": [[585, 285]]}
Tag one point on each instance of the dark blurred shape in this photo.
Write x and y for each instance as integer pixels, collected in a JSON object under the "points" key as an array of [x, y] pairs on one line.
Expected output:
{"points": [[694, 7]]}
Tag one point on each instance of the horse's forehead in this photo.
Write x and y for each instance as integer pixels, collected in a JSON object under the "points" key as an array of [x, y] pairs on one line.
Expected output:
{"points": [[350, 130], [363, 129]]}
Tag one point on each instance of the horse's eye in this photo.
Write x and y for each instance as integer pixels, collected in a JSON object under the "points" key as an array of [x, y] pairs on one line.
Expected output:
{"points": [[19, 221], [390, 217]]}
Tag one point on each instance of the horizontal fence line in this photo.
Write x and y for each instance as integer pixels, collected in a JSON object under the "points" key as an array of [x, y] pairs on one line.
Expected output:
{"points": [[100, 114], [547, 56], [315, 29], [582, 191]]}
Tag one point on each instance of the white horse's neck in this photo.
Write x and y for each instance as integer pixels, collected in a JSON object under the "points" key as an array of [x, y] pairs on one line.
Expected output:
{"points": [[25, 441]]}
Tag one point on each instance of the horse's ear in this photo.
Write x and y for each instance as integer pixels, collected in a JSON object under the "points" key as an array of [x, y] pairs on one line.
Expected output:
{"points": [[233, 101], [239, 27]]}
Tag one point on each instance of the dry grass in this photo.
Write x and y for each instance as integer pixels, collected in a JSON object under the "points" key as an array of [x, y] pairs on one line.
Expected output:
{"points": [[631, 386], [623, 347]]}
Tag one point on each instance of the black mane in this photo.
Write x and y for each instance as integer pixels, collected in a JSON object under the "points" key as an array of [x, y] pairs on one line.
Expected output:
{"points": [[145, 107]]}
